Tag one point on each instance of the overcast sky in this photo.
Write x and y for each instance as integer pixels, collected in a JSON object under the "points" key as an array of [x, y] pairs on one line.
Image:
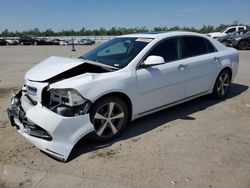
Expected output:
{"points": [[74, 14]]}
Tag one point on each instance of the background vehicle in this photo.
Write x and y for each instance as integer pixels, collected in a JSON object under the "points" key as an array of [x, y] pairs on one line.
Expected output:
{"points": [[134, 75], [88, 41], [228, 30], [3, 42], [28, 40], [240, 42], [46, 41], [60, 42], [81, 41], [72, 41], [12, 42], [224, 39]]}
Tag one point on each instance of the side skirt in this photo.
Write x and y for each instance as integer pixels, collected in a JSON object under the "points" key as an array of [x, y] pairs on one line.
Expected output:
{"points": [[170, 105]]}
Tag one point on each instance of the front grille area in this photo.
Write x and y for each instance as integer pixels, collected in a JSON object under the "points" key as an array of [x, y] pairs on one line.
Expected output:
{"points": [[36, 131], [16, 111]]}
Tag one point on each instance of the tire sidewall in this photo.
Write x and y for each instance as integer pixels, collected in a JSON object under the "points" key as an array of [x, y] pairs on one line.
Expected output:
{"points": [[240, 45]]}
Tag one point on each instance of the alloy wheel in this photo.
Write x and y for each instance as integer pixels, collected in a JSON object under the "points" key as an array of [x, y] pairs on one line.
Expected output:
{"points": [[223, 84], [108, 119]]}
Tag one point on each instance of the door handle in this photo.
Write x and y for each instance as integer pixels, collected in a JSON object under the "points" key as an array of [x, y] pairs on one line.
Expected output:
{"points": [[216, 59], [181, 67]]}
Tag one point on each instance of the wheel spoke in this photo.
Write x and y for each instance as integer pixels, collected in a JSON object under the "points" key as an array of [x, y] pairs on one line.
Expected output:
{"points": [[222, 91], [111, 108], [225, 85], [225, 78], [121, 115], [113, 128], [100, 131], [220, 79], [219, 88], [99, 116]]}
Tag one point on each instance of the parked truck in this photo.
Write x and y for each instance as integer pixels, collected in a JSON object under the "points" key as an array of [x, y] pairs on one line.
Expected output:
{"points": [[226, 31]]}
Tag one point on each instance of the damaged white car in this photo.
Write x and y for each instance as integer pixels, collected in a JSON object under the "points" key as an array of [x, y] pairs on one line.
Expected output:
{"points": [[64, 99]]}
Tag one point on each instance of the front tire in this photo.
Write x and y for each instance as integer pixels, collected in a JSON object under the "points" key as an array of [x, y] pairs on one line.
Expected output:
{"points": [[222, 84], [109, 117]]}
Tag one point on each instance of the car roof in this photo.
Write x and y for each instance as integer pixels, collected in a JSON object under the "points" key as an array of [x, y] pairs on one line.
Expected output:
{"points": [[154, 35]]}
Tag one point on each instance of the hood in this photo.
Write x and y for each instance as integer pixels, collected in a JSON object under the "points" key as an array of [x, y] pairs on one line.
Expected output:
{"points": [[50, 67], [217, 34], [239, 36]]}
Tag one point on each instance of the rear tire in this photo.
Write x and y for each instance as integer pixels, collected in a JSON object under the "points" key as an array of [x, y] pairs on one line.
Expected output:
{"points": [[222, 84], [243, 45], [109, 116]]}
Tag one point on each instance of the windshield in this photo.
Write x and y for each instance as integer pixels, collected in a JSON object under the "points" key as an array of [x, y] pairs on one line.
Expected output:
{"points": [[118, 52], [247, 33]]}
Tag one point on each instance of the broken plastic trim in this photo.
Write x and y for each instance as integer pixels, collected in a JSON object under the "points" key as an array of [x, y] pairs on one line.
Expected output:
{"points": [[78, 70]]}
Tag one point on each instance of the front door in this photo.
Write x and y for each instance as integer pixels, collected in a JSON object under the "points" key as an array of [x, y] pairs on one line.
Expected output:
{"points": [[163, 84]]}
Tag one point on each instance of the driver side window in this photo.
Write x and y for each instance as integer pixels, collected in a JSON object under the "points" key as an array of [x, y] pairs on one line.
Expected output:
{"points": [[168, 49]]}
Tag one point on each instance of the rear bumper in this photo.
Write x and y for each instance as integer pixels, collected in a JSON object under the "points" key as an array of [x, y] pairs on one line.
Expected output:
{"points": [[52, 133]]}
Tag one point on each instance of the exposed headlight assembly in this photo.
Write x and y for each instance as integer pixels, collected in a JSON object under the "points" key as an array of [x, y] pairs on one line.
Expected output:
{"points": [[68, 97], [68, 102]]}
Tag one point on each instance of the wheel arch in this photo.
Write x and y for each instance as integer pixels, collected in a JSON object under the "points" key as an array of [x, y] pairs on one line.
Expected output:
{"points": [[216, 76], [229, 69]]}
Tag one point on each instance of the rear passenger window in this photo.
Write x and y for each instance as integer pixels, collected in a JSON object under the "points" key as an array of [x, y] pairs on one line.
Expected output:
{"points": [[193, 46], [167, 49], [210, 47]]}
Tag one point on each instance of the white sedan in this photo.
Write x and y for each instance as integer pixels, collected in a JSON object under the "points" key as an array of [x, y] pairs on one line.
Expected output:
{"points": [[98, 94]]}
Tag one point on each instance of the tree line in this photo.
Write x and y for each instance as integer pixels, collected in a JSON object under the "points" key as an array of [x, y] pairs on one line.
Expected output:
{"points": [[113, 31]]}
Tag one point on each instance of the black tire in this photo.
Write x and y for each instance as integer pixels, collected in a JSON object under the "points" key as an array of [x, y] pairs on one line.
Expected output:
{"points": [[222, 84], [243, 45], [109, 115]]}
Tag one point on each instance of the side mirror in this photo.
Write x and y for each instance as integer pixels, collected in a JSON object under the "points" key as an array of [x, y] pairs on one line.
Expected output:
{"points": [[153, 60]]}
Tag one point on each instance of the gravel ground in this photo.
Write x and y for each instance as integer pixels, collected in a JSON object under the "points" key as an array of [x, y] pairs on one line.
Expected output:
{"points": [[202, 143]]}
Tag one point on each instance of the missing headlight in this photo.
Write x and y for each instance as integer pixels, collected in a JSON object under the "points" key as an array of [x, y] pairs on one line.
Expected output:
{"points": [[69, 111], [69, 97], [68, 102]]}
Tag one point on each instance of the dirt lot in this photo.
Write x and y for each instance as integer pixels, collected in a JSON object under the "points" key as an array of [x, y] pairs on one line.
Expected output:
{"points": [[202, 143]]}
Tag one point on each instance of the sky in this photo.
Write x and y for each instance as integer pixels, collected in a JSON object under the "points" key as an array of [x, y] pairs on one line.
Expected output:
{"points": [[74, 14]]}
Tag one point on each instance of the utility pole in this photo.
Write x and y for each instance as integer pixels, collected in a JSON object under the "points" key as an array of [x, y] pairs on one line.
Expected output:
{"points": [[73, 45]]}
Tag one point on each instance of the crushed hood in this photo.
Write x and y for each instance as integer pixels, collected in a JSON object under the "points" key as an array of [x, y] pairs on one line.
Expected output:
{"points": [[51, 67]]}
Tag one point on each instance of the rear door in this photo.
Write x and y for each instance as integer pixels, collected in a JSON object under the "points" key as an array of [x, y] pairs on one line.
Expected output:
{"points": [[201, 59]]}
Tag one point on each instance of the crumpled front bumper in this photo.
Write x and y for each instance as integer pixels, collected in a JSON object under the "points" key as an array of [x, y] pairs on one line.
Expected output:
{"points": [[54, 134]]}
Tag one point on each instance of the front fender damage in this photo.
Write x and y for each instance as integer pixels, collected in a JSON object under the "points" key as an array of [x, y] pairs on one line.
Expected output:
{"points": [[65, 132]]}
